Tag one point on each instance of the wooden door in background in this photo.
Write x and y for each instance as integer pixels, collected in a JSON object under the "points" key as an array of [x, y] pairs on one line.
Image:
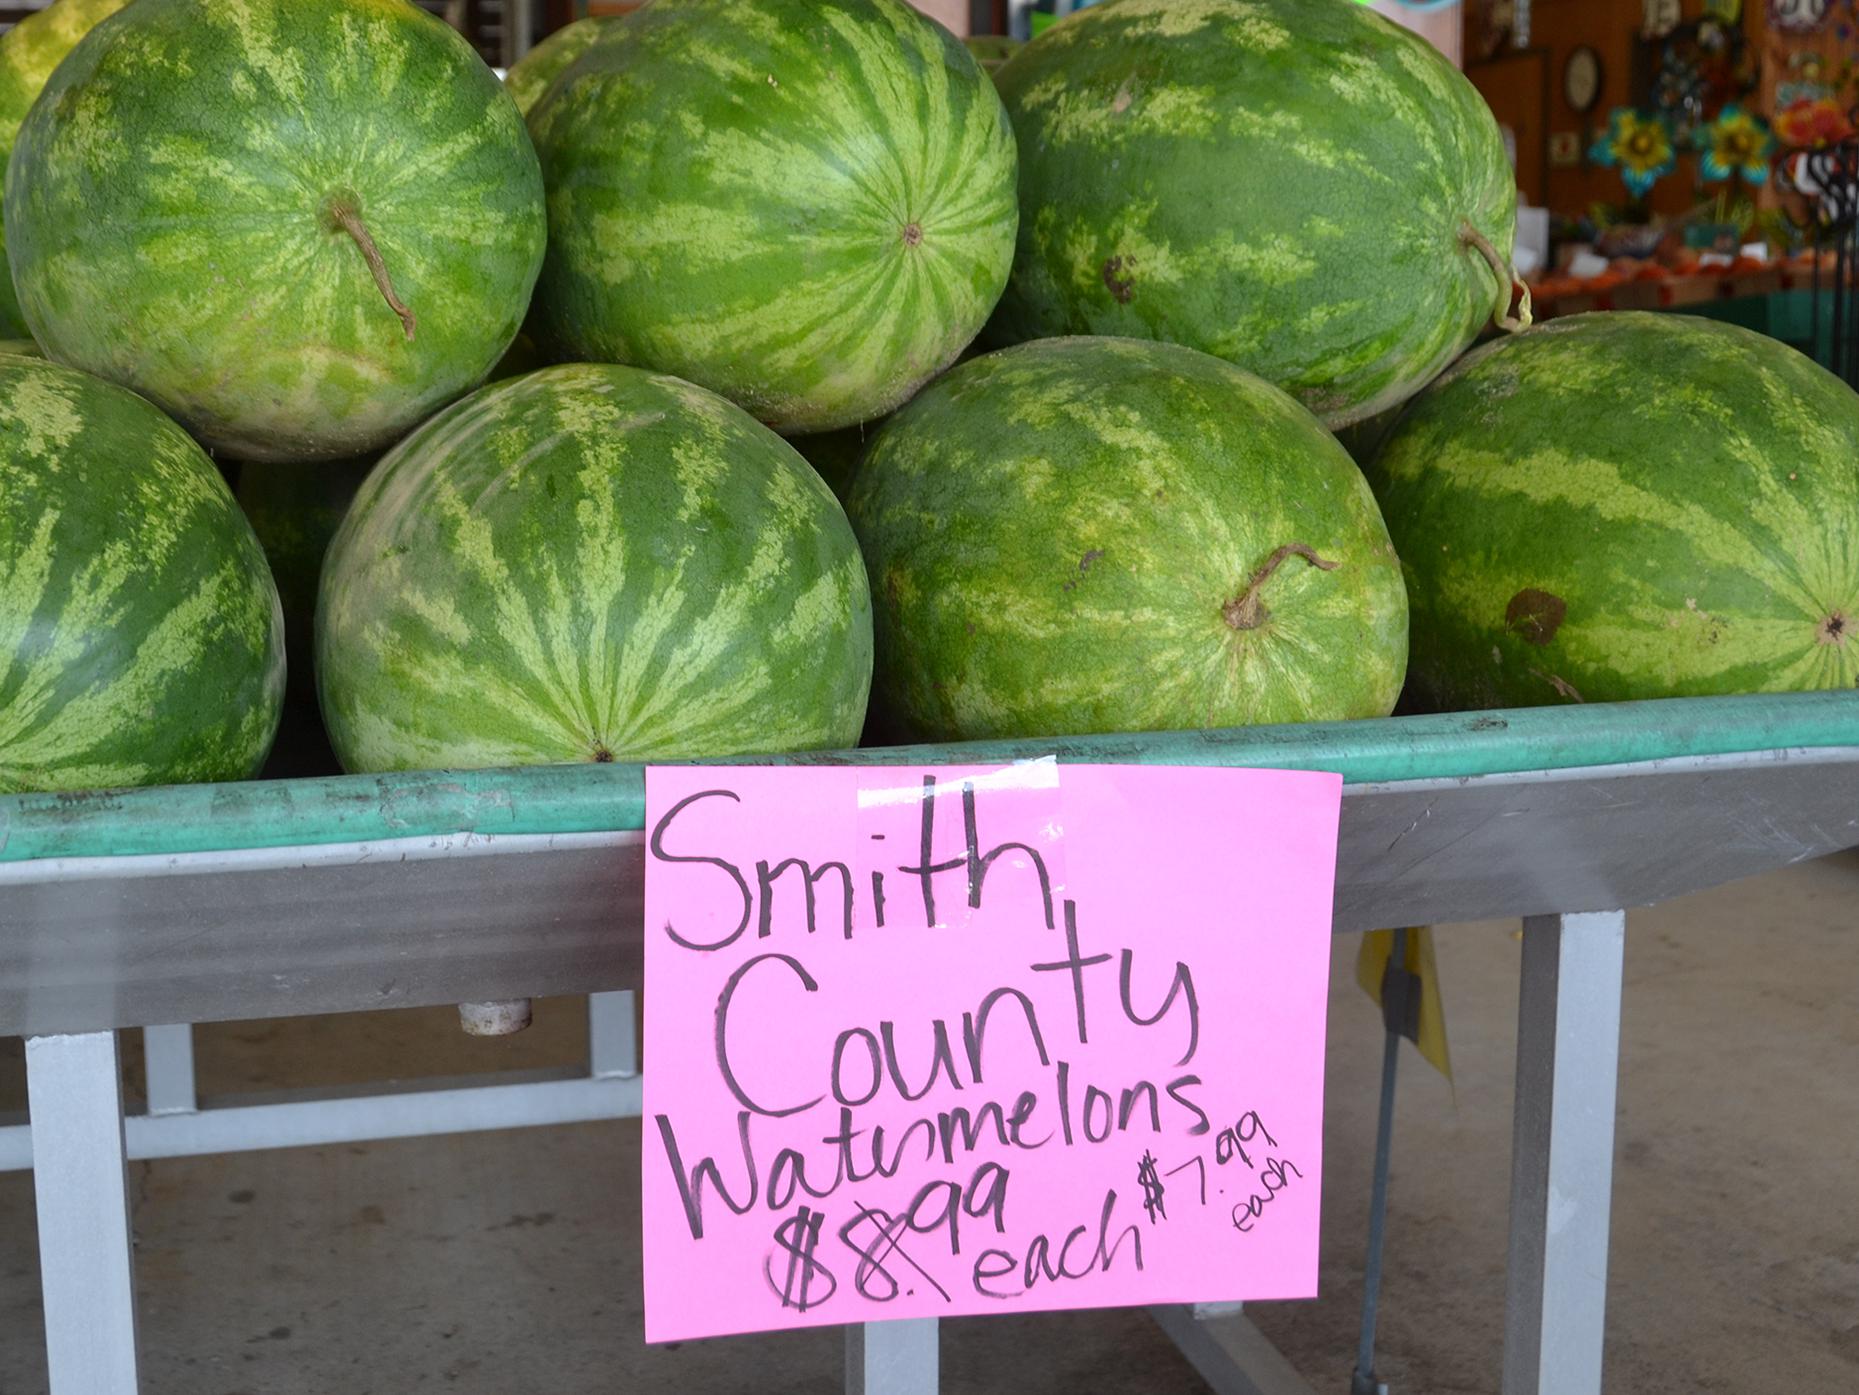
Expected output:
{"points": [[1516, 87]]}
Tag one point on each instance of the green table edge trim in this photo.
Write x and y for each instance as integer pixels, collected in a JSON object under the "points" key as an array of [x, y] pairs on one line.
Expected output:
{"points": [[604, 798]]}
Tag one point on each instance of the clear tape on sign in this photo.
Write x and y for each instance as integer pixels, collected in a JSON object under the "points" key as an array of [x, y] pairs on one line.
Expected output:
{"points": [[1040, 773], [955, 825]]}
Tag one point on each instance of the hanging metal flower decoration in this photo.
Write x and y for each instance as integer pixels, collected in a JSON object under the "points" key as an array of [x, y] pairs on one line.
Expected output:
{"points": [[1736, 146], [1640, 145], [1813, 123], [1681, 87], [1798, 16]]}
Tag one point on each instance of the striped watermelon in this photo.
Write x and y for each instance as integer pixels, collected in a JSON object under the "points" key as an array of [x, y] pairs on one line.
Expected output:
{"points": [[295, 510], [521, 357], [1363, 439], [529, 77], [1093, 535], [28, 53], [991, 50], [591, 563], [1622, 506], [834, 455], [140, 640], [300, 226], [805, 205], [1298, 186]]}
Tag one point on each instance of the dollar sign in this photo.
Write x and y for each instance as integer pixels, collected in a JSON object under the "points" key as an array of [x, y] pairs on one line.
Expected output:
{"points": [[1151, 1183], [798, 1237]]}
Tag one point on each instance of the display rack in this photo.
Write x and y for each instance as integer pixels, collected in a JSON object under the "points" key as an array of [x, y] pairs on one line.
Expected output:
{"points": [[150, 908]]}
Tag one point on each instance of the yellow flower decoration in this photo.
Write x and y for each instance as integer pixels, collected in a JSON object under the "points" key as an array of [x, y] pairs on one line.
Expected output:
{"points": [[1736, 144], [1640, 145]]}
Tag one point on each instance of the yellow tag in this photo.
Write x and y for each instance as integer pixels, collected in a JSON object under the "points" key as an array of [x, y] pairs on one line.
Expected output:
{"points": [[1371, 965]]}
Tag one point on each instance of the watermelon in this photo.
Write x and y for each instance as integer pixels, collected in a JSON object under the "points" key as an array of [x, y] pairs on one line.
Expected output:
{"points": [[834, 455], [591, 563], [529, 77], [28, 53], [1363, 439], [522, 357], [1299, 186], [295, 510], [1628, 505], [299, 226], [991, 50], [804, 205], [140, 639], [1095, 535]]}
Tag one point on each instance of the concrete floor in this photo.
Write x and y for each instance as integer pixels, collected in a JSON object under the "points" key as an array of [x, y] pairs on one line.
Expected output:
{"points": [[503, 1264]]}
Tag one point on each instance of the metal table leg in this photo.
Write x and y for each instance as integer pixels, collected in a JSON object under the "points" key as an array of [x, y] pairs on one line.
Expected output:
{"points": [[1562, 1154], [612, 1044], [1228, 1350], [74, 1095], [168, 1069], [893, 1358], [1395, 984], [519, 20]]}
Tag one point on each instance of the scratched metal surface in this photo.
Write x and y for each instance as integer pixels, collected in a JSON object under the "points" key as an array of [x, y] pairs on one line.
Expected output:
{"points": [[128, 941], [597, 798]]}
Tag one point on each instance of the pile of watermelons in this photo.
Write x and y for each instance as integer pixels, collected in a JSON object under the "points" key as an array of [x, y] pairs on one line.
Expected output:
{"points": [[520, 382]]}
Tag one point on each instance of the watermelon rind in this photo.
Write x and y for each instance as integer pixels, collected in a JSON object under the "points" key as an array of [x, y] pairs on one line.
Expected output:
{"points": [[804, 205], [295, 510], [591, 563], [1099, 535], [29, 52], [1298, 186], [140, 635], [297, 226], [529, 77], [1627, 505]]}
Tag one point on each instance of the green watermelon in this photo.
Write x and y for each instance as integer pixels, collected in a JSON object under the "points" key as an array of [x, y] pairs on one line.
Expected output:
{"points": [[805, 205], [1299, 186], [1363, 439], [28, 53], [529, 77], [1621, 506], [295, 510], [991, 50], [300, 226], [591, 563], [834, 455], [21, 348], [522, 357], [140, 639], [1095, 535]]}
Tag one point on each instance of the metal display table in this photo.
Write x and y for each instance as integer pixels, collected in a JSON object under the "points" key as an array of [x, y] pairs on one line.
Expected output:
{"points": [[152, 908]]}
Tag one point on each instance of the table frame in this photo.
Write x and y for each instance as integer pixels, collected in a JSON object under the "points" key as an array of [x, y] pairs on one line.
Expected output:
{"points": [[143, 937], [1568, 1043]]}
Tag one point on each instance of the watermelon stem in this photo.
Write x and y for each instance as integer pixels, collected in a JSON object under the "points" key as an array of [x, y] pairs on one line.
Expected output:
{"points": [[342, 214], [1513, 286], [1247, 611]]}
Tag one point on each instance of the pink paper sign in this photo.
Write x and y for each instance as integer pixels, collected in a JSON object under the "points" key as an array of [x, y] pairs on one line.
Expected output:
{"points": [[934, 1042]]}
